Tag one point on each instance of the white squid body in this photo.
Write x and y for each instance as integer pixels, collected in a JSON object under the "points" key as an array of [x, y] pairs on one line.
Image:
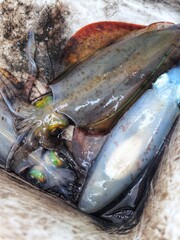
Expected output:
{"points": [[133, 142]]}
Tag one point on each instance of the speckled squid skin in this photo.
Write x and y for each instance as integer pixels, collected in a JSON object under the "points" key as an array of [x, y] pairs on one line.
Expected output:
{"points": [[97, 91]]}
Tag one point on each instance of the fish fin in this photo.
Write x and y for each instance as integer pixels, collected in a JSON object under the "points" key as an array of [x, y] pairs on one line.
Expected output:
{"points": [[11, 90], [92, 37]]}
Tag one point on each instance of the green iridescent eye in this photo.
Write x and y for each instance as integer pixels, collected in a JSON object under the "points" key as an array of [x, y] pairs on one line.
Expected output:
{"points": [[43, 102], [38, 175], [55, 159]]}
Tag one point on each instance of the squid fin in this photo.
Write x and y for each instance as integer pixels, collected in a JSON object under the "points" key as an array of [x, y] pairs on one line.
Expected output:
{"points": [[97, 35], [159, 26], [92, 37]]}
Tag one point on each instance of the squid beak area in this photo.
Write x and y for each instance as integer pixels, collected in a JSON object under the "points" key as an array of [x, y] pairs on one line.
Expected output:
{"points": [[55, 130]]}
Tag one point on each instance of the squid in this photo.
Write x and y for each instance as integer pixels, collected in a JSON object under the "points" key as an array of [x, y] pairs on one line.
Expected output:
{"points": [[134, 145], [119, 115]]}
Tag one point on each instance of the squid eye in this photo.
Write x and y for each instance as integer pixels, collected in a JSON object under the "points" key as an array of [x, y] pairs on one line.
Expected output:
{"points": [[56, 160], [37, 174], [43, 102]]}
